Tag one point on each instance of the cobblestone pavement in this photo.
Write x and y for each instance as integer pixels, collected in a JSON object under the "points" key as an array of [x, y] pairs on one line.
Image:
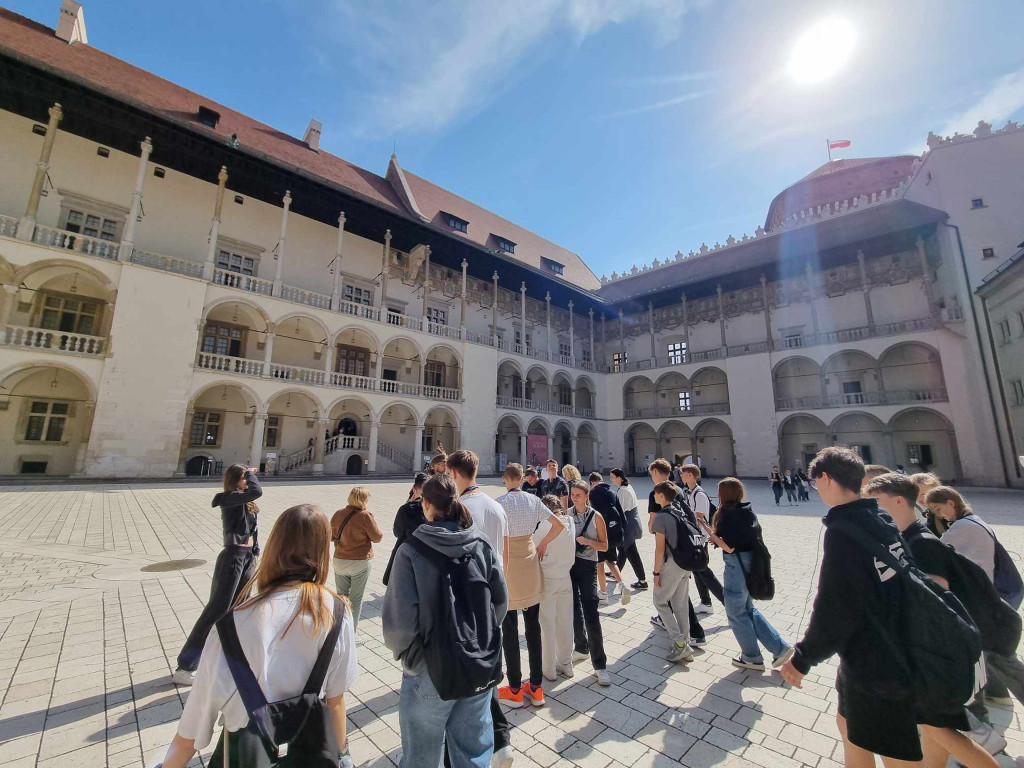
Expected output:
{"points": [[87, 641]]}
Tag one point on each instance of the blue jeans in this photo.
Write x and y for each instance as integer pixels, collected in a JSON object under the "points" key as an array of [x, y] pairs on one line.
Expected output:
{"points": [[427, 721], [745, 621]]}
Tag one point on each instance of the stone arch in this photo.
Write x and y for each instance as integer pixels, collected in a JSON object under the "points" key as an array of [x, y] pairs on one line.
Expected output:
{"points": [[63, 297], [851, 377], [235, 328], [864, 433], [303, 317], [220, 428], [367, 412], [400, 361], [441, 425], [244, 303], [537, 386], [675, 441], [6, 272], [715, 452], [539, 426], [801, 436], [442, 367], [912, 370], [641, 447], [510, 381], [638, 395], [587, 447], [396, 437], [710, 387], [300, 342], [798, 382], [506, 438], [24, 273], [924, 441]]}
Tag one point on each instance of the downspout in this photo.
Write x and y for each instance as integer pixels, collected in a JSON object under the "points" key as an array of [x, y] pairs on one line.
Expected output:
{"points": [[991, 350]]}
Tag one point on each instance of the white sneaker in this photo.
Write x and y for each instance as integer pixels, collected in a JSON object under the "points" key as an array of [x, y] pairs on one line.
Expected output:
{"points": [[988, 738], [602, 600], [779, 661], [183, 677], [551, 677], [703, 609], [680, 653], [698, 642], [656, 621], [625, 597], [564, 671], [577, 656], [502, 758], [603, 678]]}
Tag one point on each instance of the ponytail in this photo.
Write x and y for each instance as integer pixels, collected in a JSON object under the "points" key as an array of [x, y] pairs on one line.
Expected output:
{"points": [[621, 475], [441, 493]]}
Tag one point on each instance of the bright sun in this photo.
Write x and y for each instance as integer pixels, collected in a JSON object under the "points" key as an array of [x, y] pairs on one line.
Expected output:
{"points": [[821, 51]]}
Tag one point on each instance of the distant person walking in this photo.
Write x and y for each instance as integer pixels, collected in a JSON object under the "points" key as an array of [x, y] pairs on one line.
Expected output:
{"points": [[775, 478], [789, 484], [634, 529]]}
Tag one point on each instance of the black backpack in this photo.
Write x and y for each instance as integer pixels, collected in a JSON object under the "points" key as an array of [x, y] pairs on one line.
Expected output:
{"points": [[691, 550], [292, 733], [614, 517], [463, 650], [1005, 576], [998, 623], [758, 576], [938, 644]]}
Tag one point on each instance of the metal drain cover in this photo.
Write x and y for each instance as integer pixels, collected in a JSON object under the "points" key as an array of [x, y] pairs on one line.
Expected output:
{"points": [[172, 565]]}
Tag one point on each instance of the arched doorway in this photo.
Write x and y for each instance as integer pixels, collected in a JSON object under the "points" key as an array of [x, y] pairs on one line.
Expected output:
{"points": [[506, 441], [641, 448], [354, 465], [199, 466], [221, 427], [349, 420]]}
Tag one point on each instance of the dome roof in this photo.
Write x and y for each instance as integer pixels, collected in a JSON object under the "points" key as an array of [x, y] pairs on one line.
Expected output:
{"points": [[837, 181]]}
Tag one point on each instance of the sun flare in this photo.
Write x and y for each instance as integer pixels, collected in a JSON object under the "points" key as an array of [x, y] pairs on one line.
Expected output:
{"points": [[821, 50]]}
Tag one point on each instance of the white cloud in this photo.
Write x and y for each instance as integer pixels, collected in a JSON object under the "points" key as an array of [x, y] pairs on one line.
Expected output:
{"points": [[425, 65], [1000, 102], [663, 104]]}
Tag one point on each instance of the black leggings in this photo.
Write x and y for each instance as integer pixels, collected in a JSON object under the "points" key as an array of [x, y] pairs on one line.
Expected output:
{"points": [[233, 570], [630, 553], [586, 620], [510, 645], [707, 585]]}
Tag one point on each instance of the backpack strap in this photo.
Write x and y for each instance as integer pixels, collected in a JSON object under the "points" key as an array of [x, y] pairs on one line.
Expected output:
{"points": [[587, 520], [315, 681], [245, 681], [344, 523], [871, 544]]}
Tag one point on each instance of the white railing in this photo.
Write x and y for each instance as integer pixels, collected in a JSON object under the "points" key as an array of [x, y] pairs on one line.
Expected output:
{"points": [[295, 373], [586, 413], [167, 263], [309, 298], [399, 320], [74, 241], [670, 411], [440, 393], [243, 282], [901, 396], [228, 364], [346, 443], [53, 341], [896, 397], [395, 456], [439, 329], [359, 310], [8, 226], [297, 459], [351, 381]]}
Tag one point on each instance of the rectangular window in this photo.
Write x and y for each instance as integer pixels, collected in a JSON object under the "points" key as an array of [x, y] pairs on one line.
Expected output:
{"points": [[66, 313], [677, 353], [237, 262], [437, 315], [988, 253], [46, 421], [357, 295], [977, 202], [684, 401], [91, 224], [224, 339], [433, 373], [619, 361], [519, 337], [1018, 391], [205, 429], [427, 441], [552, 266], [564, 349], [586, 355], [792, 340], [273, 432], [353, 360], [456, 223], [506, 245], [1004, 331]]}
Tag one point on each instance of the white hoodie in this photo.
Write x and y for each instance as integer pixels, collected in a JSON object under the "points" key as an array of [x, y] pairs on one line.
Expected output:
{"points": [[561, 553]]}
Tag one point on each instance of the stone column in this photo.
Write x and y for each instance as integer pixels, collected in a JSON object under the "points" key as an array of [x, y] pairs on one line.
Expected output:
{"points": [[721, 314], [686, 331], [135, 211], [328, 360], [259, 424], [593, 359], [551, 446], [320, 446], [572, 336], [604, 341], [417, 454], [622, 341], [336, 282], [522, 448], [9, 299], [268, 350], [462, 310], [27, 223], [865, 286], [547, 307], [371, 452], [572, 449], [767, 312], [810, 298], [286, 204], [522, 309], [426, 287], [211, 247], [650, 328], [494, 309], [926, 278], [385, 269]]}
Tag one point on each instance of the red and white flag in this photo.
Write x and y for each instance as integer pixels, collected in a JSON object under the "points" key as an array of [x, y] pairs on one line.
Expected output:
{"points": [[839, 144]]}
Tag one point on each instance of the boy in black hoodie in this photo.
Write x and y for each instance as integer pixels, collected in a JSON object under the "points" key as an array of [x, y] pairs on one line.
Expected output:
{"points": [[855, 594]]}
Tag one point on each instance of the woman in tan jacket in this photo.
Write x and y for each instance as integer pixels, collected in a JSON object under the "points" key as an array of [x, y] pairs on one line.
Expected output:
{"points": [[354, 531]]}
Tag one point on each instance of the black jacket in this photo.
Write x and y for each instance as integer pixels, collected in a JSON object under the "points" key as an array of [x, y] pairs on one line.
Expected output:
{"points": [[854, 592], [236, 520], [555, 486], [408, 518]]}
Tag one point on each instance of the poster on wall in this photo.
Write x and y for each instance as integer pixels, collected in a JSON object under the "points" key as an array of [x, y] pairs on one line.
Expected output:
{"points": [[536, 449]]}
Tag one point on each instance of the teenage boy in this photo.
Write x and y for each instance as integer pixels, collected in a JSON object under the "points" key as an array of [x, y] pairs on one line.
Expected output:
{"points": [[532, 483], [671, 583], [897, 494], [605, 501], [438, 465], [489, 516], [660, 471], [555, 484], [856, 594], [699, 501]]}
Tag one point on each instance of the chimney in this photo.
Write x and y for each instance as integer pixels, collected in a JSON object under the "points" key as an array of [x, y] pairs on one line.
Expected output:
{"points": [[312, 135], [71, 27]]}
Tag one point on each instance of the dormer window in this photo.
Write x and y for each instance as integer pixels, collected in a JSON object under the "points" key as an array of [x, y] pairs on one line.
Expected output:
{"points": [[456, 223], [552, 265], [208, 117], [506, 245]]}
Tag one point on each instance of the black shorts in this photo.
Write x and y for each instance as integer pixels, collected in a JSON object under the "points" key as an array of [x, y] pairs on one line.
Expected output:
{"points": [[887, 727], [611, 555]]}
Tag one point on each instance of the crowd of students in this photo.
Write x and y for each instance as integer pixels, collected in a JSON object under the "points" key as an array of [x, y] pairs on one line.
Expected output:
{"points": [[465, 566]]}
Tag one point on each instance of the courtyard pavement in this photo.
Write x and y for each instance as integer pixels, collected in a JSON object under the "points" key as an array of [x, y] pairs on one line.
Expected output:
{"points": [[88, 640]]}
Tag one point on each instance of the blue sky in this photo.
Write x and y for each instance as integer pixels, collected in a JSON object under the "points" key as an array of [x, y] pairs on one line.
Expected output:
{"points": [[624, 130]]}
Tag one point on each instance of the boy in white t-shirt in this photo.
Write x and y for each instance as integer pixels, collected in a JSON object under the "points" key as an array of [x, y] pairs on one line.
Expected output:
{"points": [[556, 606]]}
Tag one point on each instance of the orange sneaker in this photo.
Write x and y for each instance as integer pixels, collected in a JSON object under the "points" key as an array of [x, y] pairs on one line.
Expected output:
{"points": [[533, 694], [513, 698]]}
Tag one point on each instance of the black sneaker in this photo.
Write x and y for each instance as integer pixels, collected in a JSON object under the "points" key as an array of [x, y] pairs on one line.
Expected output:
{"points": [[638, 586]]}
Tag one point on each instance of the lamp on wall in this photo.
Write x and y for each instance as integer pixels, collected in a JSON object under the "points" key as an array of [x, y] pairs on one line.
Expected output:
{"points": [[74, 284], [288, 402], [224, 393], [234, 317], [54, 384]]}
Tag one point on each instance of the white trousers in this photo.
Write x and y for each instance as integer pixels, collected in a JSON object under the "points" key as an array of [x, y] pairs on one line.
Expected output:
{"points": [[556, 623]]}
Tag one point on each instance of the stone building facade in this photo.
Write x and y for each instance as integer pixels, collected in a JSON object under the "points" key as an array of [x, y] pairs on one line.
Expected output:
{"points": [[184, 288]]}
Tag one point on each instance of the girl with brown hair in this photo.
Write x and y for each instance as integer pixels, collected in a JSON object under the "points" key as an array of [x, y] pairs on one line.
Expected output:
{"points": [[280, 631]]}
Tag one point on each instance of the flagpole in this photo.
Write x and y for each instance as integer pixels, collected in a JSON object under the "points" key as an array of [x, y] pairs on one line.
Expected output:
{"points": [[828, 148]]}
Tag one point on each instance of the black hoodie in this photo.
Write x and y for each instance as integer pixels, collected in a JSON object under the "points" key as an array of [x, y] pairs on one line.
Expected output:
{"points": [[854, 592], [737, 526], [236, 519]]}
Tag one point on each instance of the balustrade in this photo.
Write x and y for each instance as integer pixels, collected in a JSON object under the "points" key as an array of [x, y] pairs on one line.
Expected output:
{"points": [[295, 373], [247, 283], [898, 397], [227, 364], [8, 226], [54, 341], [77, 242], [167, 263], [346, 443], [309, 298]]}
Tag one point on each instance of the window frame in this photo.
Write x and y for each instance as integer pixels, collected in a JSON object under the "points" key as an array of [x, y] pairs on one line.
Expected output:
{"points": [[619, 361], [46, 419], [41, 309], [679, 355], [506, 245], [232, 328], [977, 202], [555, 267], [684, 400], [87, 206], [350, 288], [457, 223], [220, 423], [988, 253], [273, 426], [435, 374]]}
